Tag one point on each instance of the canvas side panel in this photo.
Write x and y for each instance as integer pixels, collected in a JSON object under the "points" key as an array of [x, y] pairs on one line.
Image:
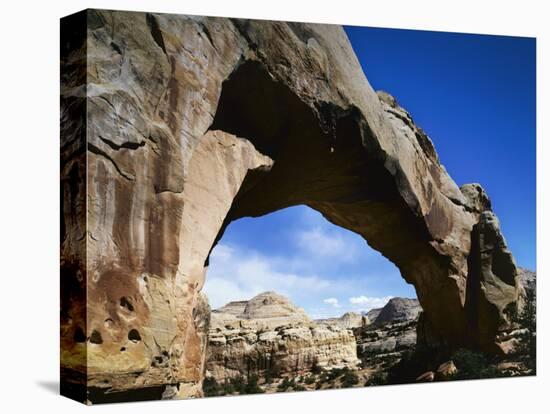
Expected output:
{"points": [[73, 319]]}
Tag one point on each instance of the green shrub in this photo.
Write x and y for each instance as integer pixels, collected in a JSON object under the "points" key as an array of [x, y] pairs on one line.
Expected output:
{"points": [[238, 383], [323, 378], [378, 378], [227, 388], [285, 385], [527, 319], [268, 375], [335, 373], [409, 367], [473, 365], [310, 380], [211, 387], [469, 363], [252, 386], [316, 369], [349, 379]]}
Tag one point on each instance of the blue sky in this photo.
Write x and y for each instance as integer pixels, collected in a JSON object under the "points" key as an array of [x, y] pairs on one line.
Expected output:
{"points": [[474, 95]]}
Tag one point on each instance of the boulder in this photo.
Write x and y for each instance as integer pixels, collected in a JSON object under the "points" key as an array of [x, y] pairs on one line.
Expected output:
{"points": [[428, 376], [446, 370]]}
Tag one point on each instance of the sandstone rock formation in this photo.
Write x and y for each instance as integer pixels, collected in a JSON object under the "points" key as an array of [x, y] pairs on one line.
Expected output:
{"points": [[398, 310], [268, 310], [173, 126], [527, 280], [235, 308], [271, 337], [390, 340], [390, 334], [372, 314], [348, 320], [446, 370]]}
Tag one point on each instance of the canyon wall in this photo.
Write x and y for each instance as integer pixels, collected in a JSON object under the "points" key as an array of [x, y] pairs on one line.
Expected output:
{"points": [[390, 334], [173, 126], [270, 337]]}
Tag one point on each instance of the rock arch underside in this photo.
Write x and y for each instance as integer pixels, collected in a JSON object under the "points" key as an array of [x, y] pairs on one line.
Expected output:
{"points": [[186, 123]]}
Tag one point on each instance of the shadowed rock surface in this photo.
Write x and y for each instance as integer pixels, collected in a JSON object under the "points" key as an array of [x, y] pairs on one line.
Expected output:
{"points": [[386, 343], [372, 314], [391, 333], [186, 123], [398, 310]]}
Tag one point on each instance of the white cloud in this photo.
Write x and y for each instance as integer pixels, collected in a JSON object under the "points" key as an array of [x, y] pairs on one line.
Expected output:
{"points": [[221, 252], [366, 303], [332, 302], [319, 242], [315, 264], [237, 274]]}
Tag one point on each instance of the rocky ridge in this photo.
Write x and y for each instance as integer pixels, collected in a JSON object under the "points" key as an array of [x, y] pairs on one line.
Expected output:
{"points": [[391, 334], [288, 342], [348, 320], [528, 280], [397, 310]]}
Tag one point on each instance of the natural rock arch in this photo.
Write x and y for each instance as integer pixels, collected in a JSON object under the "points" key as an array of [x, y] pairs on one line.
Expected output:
{"points": [[334, 167], [187, 123]]}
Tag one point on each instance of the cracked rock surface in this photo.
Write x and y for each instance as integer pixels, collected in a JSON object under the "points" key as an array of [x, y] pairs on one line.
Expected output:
{"points": [[173, 126], [268, 335]]}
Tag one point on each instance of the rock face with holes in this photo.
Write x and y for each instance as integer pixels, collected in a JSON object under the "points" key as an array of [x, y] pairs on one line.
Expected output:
{"points": [[270, 337], [173, 126]]}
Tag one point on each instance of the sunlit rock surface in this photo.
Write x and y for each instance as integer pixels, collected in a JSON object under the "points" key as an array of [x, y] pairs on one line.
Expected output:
{"points": [[348, 320], [173, 126], [272, 337]]}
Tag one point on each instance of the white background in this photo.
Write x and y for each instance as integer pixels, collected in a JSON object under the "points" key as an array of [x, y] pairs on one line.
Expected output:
{"points": [[29, 204]]}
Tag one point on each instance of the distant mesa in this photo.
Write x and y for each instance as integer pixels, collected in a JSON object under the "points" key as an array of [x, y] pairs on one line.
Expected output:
{"points": [[266, 310], [269, 336], [348, 320], [272, 309], [234, 308]]}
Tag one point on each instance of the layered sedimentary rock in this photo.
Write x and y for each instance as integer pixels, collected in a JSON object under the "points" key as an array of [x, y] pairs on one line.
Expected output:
{"points": [[391, 333], [270, 337], [187, 123], [528, 280], [372, 314], [511, 338], [398, 310], [267, 310], [348, 320]]}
